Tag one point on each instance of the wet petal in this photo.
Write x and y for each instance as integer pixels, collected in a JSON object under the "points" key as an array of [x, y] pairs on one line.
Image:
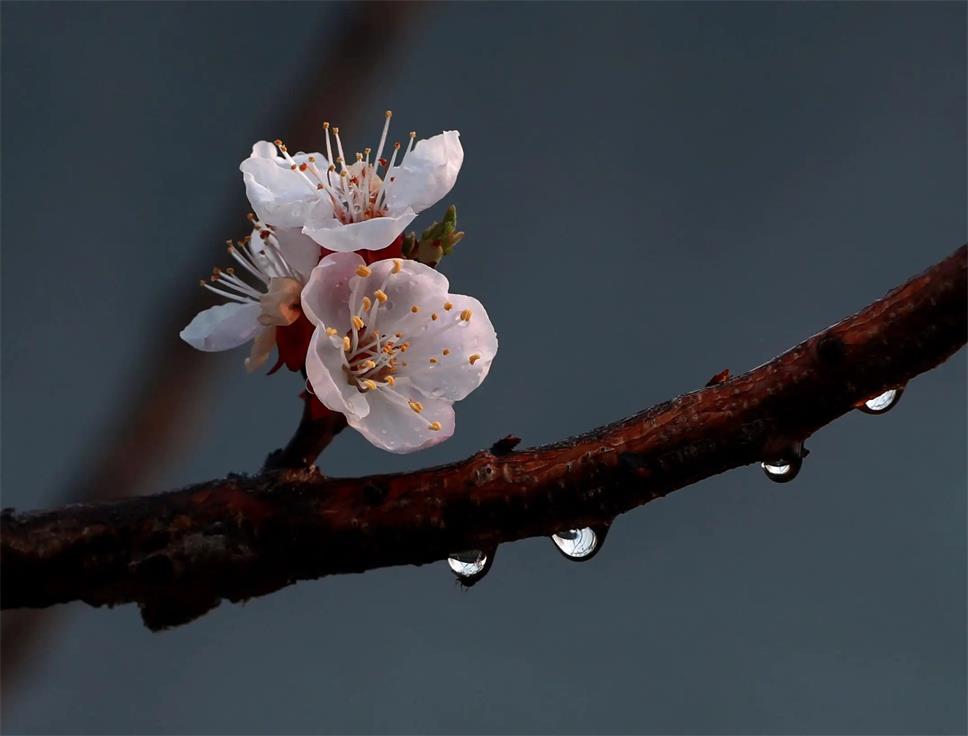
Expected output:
{"points": [[324, 368], [393, 426], [325, 298]]}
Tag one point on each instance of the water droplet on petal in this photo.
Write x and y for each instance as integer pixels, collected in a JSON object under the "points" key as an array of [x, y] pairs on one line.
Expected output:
{"points": [[882, 403], [470, 566], [579, 544]]}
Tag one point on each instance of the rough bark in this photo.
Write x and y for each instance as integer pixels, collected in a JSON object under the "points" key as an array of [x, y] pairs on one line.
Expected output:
{"points": [[179, 554]]}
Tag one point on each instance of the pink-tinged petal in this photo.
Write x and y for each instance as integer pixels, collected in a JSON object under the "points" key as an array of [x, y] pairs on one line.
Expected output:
{"points": [[374, 234], [414, 285], [223, 327], [324, 368], [427, 174], [453, 355], [393, 426], [325, 298], [262, 347], [301, 253]]}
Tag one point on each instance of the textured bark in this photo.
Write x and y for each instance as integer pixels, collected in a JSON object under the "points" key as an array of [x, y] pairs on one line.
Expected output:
{"points": [[179, 554]]}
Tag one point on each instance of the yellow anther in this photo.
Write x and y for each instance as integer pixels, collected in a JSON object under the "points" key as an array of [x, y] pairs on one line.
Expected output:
{"points": [[325, 124], [347, 344], [474, 358], [404, 347], [445, 351], [434, 426], [433, 361], [330, 331], [370, 384], [434, 316], [416, 406], [336, 130], [368, 364], [389, 113], [381, 296], [414, 309], [397, 265], [311, 159], [363, 271], [389, 380], [357, 322], [448, 306], [466, 315], [367, 304]]}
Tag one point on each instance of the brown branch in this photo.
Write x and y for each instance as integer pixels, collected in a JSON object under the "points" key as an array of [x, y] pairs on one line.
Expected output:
{"points": [[312, 436], [179, 554]]}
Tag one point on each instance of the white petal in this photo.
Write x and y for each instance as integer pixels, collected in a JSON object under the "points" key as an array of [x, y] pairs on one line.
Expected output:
{"points": [[279, 195], [223, 327], [374, 234], [415, 285], [427, 174], [452, 376], [301, 253], [395, 427], [324, 368], [325, 299]]}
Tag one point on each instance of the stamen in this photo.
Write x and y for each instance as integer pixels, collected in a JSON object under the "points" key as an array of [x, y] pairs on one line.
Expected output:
{"points": [[363, 271], [434, 316], [433, 361], [416, 406], [414, 309], [389, 380], [466, 315], [357, 322], [366, 304], [370, 384], [346, 344], [331, 331], [329, 149], [397, 265], [381, 296], [448, 306], [474, 358], [445, 352], [383, 137], [339, 147], [434, 427]]}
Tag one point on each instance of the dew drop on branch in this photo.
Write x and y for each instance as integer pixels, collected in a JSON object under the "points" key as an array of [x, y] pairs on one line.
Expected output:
{"points": [[470, 566], [786, 468], [882, 403], [579, 544]]}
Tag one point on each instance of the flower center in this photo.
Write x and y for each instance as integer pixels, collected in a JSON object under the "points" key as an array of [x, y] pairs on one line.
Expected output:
{"points": [[356, 191]]}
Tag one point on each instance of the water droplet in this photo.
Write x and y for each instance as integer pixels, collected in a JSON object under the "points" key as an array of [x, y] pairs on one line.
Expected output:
{"points": [[883, 402], [786, 468], [579, 544], [470, 566]]}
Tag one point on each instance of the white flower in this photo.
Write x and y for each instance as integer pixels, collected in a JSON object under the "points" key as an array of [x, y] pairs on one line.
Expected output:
{"points": [[280, 261], [392, 350], [348, 207]]}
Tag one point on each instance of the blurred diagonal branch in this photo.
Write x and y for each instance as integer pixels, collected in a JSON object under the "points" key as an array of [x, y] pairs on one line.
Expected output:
{"points": [[179, 554], [149, 426]]}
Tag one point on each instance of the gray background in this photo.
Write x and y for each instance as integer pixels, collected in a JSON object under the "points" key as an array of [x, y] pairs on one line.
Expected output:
{"points": [[686, 186]]}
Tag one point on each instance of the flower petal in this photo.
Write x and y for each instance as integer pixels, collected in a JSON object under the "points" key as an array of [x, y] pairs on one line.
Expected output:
{"points": [[373, 234], [393, 426], [279, 195], [324, 368], [301, 253], [470, 346], [414, 285], [223, 327], [427, 173], [325, 298]]}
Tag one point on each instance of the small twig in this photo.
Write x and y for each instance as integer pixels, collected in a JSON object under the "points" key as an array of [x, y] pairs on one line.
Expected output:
{"points": [[312, 436], [179, 554]]}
